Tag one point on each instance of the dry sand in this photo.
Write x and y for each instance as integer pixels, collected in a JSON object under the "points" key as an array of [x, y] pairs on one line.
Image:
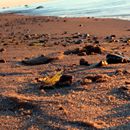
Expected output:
{"points": [[97, 105], [13, 3]]}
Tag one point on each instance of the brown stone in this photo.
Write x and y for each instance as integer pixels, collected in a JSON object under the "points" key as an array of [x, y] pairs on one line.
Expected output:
{"points": [[99, 78], [74, 51], [86, 81], [56, 55]]}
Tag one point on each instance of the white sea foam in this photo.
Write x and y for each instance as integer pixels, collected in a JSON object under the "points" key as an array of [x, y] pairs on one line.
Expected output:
{"points": [[78, 8]]}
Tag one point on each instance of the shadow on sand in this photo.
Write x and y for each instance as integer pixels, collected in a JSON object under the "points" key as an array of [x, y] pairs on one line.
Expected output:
{"points": [[35, 115]]}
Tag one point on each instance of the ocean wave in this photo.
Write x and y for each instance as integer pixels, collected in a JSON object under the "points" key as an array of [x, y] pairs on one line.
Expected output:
{"points": [[77, 8]]}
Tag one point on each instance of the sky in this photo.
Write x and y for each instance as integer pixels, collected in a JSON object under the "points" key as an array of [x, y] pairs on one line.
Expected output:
{"points": [[13, 3]]}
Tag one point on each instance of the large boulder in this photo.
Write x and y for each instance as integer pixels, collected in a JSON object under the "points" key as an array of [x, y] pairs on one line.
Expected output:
{"points": [[116, 58]]}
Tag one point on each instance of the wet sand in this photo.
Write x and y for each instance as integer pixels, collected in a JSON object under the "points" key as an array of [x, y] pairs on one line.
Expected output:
{"points": [[87, 106]]}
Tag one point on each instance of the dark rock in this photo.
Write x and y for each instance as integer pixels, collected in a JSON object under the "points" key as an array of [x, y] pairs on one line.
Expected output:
{"points": [[37, 60], [84, 62], [96, 42], [5, 44], [92, 49], [44, 59], [115, 58], [89, 50], [113, 36], [110, 38], [64, 20], [65, 80], [26, 6], [81, 25], [41, 40], [65, 32], [76, 36], [39, 7], [2, 61], [95, 38], [78, 41], [127, 82], [84, 36], [82, 54], [2, 49], [124, 40], [124, 88]]}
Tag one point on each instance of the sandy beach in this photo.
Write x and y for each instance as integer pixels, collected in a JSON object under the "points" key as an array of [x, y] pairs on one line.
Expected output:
{"points": [[98, 97]]}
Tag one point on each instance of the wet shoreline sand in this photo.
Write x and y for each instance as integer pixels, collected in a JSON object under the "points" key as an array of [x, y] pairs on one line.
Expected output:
{"points": [[85, 105]]}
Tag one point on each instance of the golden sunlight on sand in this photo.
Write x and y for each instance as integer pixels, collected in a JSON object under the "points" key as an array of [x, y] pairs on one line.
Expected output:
{"points": [[13, 3]]}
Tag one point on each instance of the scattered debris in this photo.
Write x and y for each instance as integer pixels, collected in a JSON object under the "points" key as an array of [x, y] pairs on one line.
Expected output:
{"points": [[125, 39], [100, 124], [122, 92], [50, 80], [58, 80], [86, 81], [121, 72], [110, 38], [79, 41], [36, 44], [101, 63], [98, 78], [74, 51], [89, 50]]}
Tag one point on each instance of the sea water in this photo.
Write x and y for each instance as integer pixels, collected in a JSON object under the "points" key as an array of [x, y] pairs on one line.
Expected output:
{"points": [[77, 8]]}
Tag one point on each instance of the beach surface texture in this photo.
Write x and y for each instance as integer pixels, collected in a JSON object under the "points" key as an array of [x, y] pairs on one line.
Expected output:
{"points": [[64, 73]]}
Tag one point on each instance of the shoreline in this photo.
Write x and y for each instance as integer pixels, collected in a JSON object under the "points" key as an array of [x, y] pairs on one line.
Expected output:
{"points": [[82, 17]]}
